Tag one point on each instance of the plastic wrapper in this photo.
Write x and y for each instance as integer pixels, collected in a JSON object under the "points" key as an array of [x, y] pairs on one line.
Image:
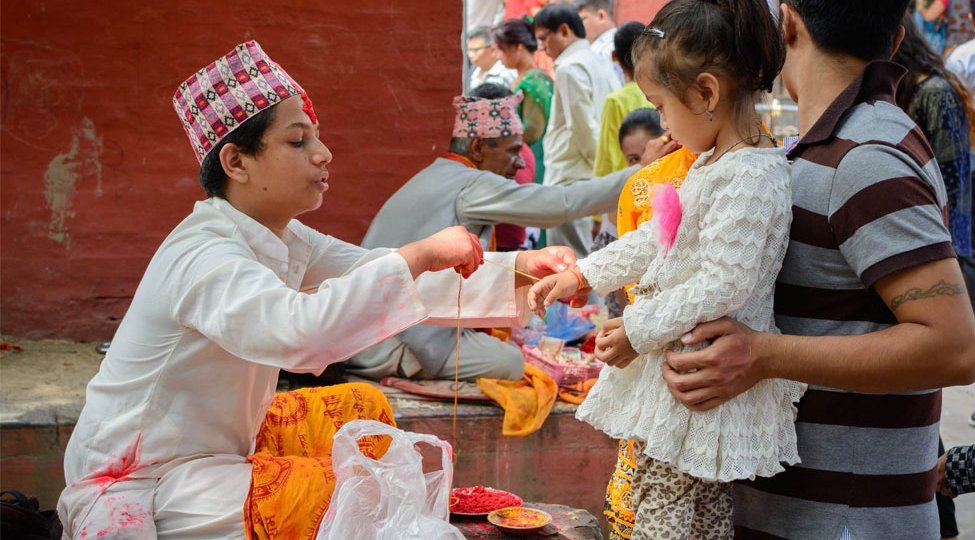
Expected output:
{"points": [[561, 323], [391, 497]]}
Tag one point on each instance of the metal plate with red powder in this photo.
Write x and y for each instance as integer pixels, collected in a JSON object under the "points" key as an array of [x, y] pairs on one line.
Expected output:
{"points": [[479, 501]]}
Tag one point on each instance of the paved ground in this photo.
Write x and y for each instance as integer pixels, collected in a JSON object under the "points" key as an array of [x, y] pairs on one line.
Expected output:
{"points": [[64, 368], [959, 403]]}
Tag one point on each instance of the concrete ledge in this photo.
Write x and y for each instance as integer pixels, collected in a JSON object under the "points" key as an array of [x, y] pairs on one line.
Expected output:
{"points": [[44, 385], [42, 393]]}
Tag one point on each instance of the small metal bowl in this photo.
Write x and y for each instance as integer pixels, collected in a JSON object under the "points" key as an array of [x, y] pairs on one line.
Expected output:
{"points": [[519, 520]]}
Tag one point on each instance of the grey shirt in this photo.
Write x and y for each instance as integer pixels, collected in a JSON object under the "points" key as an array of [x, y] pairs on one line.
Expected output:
{"points": [[448, 193]]}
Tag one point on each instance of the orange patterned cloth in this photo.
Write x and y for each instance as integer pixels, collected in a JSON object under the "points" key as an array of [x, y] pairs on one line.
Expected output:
{"points": [[292, 479], [619, 492], [634, 204]]}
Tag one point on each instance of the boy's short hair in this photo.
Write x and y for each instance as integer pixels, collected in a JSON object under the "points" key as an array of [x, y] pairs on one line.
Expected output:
{"points": [[596, 5], [863, 29], [249, 137], [626, 35], [554, 15], [480, 32]]}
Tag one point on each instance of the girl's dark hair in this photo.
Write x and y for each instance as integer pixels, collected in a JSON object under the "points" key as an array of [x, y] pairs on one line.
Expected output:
{"points": [[921, 61], [511, 32], [626, 35], [249, 137], [646, 119], [738, 38]]}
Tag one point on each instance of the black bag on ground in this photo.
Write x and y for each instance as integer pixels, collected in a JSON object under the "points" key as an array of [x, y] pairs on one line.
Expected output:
{"points": [[22, 518]]}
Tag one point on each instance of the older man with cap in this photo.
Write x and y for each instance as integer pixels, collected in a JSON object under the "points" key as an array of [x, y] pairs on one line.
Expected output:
{"points": [[470, 186], [182, 435]]}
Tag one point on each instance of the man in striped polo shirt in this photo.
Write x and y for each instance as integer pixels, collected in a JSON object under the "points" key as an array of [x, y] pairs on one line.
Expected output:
{"points": [[871, 301]]}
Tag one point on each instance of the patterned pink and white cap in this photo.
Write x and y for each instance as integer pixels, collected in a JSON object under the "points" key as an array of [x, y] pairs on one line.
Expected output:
{"points": [[487, 118], [217, 99]]}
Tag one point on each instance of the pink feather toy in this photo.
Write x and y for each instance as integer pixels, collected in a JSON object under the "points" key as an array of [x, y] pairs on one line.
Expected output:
{"points": [[666, 213]]}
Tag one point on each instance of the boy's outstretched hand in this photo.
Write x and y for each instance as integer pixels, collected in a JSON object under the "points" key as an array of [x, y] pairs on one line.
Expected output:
{"points": [[453, 247], [545, 261]]}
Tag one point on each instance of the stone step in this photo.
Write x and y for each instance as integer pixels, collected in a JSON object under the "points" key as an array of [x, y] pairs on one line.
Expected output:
{"points": [[566, 462]]}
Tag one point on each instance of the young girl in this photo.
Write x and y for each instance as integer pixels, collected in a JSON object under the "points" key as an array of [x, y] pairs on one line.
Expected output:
{"points": [[701, 63]]}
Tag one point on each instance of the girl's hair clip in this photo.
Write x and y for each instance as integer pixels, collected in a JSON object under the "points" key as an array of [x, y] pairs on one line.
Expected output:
{"points": [[528, 19], [654, 31]]}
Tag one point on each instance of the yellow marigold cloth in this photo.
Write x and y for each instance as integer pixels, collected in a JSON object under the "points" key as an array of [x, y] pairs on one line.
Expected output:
{"points": [[292, 479], [634, 203], [526, 402]]}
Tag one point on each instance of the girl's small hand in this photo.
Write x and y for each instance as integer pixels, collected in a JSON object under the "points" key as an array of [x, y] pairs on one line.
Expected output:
{"points": [[552, 288], [612, 345]]}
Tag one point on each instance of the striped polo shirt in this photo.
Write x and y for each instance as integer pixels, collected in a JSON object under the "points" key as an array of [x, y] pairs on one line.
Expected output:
{"points": [[868, 201]]}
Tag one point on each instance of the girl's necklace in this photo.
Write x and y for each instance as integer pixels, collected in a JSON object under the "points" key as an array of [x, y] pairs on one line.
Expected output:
{"points": [[730, 148]]}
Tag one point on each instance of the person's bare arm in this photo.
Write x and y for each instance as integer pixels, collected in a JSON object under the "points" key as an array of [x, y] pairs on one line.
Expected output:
{"points": [[931, 346], [534, 120]]}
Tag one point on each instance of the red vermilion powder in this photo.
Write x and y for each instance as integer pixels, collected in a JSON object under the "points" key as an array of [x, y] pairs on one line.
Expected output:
{"points": [[481, 500]]}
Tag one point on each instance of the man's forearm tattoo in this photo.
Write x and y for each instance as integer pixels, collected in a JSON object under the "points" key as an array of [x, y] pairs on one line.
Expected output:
{"points": [[941, 289]]}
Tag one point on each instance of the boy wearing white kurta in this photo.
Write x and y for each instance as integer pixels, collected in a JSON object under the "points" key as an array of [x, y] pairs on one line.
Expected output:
{"points": [[238, 291]]}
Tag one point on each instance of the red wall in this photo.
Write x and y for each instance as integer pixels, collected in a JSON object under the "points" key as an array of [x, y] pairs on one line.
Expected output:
{"points": [[96, 169], [637, 10]]}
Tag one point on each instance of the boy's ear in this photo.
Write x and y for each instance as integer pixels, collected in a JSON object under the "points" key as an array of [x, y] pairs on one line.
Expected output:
{"points": [[231, 159]]}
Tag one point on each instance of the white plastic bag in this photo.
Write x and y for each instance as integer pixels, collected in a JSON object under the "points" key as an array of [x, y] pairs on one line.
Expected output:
{"points": [[391, 497]]}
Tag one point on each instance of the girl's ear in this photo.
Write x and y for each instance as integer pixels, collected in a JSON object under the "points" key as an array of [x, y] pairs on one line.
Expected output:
{"points": [[710, 90], [232, 161]]}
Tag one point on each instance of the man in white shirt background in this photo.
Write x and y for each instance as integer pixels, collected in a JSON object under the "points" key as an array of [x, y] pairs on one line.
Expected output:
{"points": [[582, 81], [487, 67], [597, 18]]}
